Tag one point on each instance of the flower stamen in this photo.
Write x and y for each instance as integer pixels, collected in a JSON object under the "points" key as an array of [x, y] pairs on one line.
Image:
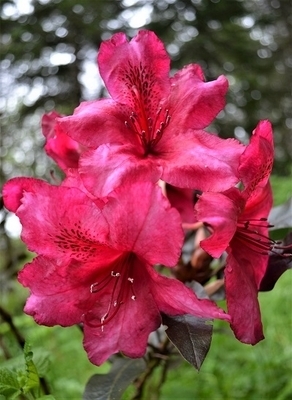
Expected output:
{"points": [[120, 283], [149, 132], [261, 243]]}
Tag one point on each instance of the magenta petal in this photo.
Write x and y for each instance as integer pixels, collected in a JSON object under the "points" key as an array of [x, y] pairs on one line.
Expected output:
{"points": [[128, 332], [59, 293], [183, 200], [149, 228], [135, 71], [109, 166], [136, 317], [199, 160], [174, 298], [257, 160], [73, 179], [14, 189], [258, 204], [59, 221], [241, 295], [220, 212], [48, 124], [194, 103], [59, 146], [97, 122]]}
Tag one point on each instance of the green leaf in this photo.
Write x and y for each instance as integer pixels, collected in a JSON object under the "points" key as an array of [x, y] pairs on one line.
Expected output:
{"points": [[46, 397], [9, 385], [32, 377], [42, 361], [112, 385], [190, 335]]}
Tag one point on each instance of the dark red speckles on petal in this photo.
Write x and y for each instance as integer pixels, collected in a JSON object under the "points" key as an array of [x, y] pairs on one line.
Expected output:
{"points": [[77, 241], [140, 88]]}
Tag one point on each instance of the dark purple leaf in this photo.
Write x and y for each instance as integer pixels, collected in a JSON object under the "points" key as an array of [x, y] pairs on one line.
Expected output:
{"points": [[278, 263], [281, 216], [190, 335], [112, 385]]}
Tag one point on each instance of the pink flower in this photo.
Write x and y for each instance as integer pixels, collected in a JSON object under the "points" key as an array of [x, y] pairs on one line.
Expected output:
{"points": [[95, 261], [238, 224], [152, 125], [183, 200], [59, 146]]}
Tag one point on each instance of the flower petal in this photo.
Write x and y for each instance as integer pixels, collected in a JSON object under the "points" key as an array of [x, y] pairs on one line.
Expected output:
{"points": [[242, 292], [136, 72], [97, 122], [220, 212], [183, 200], [109, 166], [256, 161], [194, 103], [259, 203], [14, 189], [199, 160], [149, 228], [60, 291], [174, 298], [128, 331], [64, 220]]}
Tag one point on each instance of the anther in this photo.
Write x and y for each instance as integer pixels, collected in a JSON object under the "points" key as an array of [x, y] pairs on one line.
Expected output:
{"points": [[133, 297], [131, 280], [115, 274]]}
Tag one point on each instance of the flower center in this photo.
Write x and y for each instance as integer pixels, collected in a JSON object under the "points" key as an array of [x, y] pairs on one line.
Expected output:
{"points": [[149, 130], [112, 291]]}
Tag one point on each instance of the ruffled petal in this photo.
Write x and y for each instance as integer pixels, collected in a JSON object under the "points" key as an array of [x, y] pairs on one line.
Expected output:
{"points": [[174, 298], [97, 122], [256, 161], [259, 203], [143, 222], [242, 294], [109, 166], [220, 212], [59, 146], [61, 286], [136, 72], [14, 189], [128, 331], [64, 220], [199, 160], [183, 200], [194, 103]]}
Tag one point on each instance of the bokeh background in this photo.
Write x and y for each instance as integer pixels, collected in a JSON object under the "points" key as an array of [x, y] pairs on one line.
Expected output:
{"points": [[48, 62]]}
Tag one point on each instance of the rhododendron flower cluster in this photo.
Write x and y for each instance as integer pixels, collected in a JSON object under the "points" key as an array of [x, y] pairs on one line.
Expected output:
{"points": [[102, 232]]}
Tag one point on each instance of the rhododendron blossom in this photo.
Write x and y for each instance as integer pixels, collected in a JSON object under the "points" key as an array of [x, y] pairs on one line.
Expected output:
{"points": [[152, 125], [95, 261], [140, 171], [238, 224]]}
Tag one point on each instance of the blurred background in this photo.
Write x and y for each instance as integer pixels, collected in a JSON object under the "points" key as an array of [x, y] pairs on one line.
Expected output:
{"points": [[48, 62]]}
